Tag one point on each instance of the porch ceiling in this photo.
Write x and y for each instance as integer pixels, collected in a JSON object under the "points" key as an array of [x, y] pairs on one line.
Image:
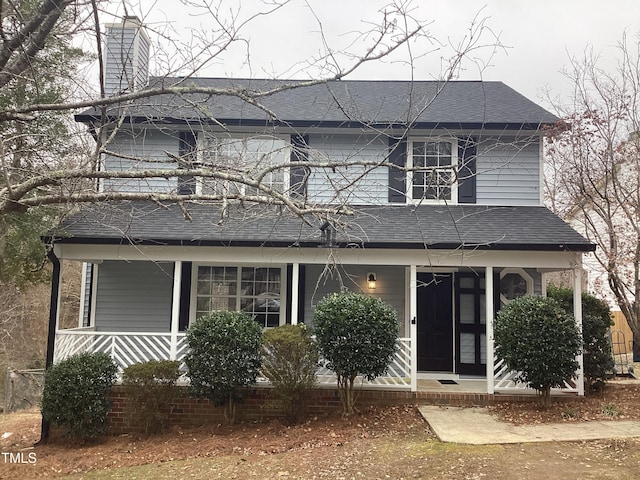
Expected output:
{"points": [[448, 227]]}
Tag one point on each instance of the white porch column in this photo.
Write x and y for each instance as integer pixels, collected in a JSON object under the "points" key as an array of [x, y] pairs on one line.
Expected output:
{"points": [[488, 296], [577, 313], [175, 310], [413, 313], [295, 287]]}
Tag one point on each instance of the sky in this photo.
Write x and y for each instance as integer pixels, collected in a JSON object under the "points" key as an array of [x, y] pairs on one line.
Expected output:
{"points": [[537, 38]]}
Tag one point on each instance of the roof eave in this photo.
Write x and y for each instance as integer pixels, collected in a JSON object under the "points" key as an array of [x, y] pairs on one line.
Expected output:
{"points": [[546, 247], [91, 118]]}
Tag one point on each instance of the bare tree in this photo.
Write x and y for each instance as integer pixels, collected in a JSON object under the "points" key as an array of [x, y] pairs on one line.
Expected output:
{"points": [[593, 173], [66, 171], [397, 29]]}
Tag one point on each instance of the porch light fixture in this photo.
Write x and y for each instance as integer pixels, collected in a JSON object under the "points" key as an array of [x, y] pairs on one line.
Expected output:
{"points": [[371, 281]]}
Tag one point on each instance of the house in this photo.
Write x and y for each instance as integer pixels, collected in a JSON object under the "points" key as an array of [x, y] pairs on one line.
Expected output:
{"points": [[425, 194]]}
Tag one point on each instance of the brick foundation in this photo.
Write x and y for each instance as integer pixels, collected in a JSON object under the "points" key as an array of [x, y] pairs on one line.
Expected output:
{"points": [[259, 407]]}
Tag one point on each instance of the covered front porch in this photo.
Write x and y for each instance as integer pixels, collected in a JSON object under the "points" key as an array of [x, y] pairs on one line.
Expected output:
{"points": [[139, 300]]}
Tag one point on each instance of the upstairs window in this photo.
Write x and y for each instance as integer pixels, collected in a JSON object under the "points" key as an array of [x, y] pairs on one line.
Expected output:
{"points": [[431, 175], [251, 157]]}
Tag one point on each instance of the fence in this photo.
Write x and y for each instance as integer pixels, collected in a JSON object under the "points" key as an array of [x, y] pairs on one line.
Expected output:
{"points": [[23, 389]]}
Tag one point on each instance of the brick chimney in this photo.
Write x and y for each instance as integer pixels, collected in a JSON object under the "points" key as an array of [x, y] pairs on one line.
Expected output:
{"points": [[126, 56]]}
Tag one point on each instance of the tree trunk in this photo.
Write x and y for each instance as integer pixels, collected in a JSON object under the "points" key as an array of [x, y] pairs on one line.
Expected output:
{"points": [[345, 391], [229, 411], [545, 397]]}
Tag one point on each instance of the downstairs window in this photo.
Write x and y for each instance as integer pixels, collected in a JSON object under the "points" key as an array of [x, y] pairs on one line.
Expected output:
{"points": [[253, 290]]}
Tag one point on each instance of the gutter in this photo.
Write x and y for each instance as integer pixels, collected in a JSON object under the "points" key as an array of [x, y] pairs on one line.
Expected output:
{"points": [[51, 332]]}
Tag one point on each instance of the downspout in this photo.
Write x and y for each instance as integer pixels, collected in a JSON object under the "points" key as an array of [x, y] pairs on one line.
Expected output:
{"points": [[51, 333]]}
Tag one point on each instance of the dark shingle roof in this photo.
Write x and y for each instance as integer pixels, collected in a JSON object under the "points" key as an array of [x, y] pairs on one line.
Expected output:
{"points": [[430, 104], [432, 226]]}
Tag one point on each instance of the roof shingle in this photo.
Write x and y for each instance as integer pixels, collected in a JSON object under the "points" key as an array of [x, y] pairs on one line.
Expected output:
{"points": [[469, 104], [425, 226]]}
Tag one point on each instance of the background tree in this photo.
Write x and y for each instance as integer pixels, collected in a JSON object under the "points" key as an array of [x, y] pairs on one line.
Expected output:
{"points": [[596, 345], [593, 173], [357, 335], [539, 340]]}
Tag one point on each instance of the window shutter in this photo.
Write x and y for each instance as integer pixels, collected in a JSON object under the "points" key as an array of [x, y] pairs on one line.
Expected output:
{"points": [[397, 177], [467, 150], [289, 293], [302, 275], [185, 296], [186, 146], [298, 175]]}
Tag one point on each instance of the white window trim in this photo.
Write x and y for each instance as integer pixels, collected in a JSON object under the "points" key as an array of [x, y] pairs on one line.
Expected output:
{"points": [[200, 145], [194, 286], [454, 165], [520, 271]]}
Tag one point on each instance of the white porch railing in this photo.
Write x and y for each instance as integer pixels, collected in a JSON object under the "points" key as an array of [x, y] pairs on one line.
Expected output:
{"points": [[125, 348], [128, 348], [504, 380], [398, 374]]}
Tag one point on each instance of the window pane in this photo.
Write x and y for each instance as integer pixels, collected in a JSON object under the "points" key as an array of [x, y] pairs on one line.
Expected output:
{"points": [[262, 274], [444, 148], [248, 273], [430, 193], [466, 282], [247, 288], [467, 348], [203, 304], [204, 273], [431, 148], [272, 320], [512, 285], [247, 305], [467, 308], [204, 287], [217, 274]]}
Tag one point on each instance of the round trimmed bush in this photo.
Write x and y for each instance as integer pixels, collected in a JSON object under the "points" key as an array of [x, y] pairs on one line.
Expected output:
{"points": [[75, 395], [224, 356], [357, 335], [151, 388], [290, 362], [539, 341]]}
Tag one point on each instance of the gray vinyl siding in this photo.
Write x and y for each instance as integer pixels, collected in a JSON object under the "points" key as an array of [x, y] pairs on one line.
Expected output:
{"points": [[390, 285], [134, 296], [508, 172], [86, 286], [151, 145], [126, 60], [354, 184]]}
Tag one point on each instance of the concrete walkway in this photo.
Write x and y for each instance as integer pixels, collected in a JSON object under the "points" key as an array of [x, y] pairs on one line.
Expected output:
{"points": [[476, 426]]}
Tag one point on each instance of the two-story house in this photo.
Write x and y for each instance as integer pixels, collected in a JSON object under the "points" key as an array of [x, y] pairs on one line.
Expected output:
{"points": [[436, 189]]}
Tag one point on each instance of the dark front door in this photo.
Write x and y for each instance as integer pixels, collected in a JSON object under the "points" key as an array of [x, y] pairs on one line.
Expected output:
{"points": [[435, 322]]}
